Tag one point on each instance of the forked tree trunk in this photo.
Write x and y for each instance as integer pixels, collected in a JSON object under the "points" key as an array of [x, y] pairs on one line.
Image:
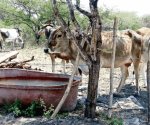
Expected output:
{"points": [[92, 89], [92, 59]]}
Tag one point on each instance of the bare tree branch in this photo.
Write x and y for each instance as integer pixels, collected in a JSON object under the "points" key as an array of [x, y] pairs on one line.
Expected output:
{"points": [[76, 24], [93, 5], [86, 13], [56, 13]]}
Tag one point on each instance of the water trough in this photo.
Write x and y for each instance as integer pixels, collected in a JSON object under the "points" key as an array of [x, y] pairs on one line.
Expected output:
{"points": [[27, 85]]}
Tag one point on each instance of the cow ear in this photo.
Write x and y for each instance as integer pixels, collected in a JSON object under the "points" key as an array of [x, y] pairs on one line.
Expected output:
{"points": [[5, 34], [134, 35], [129, 33], [138, 32]]}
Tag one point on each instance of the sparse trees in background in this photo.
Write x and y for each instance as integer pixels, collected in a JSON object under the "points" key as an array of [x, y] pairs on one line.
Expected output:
{"points": [[30, 14], [146, 21], [27, 14], [126, 19]]}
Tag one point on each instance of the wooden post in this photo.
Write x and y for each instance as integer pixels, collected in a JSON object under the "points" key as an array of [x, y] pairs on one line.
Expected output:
{"points": [[112, 68], [148, 83]]}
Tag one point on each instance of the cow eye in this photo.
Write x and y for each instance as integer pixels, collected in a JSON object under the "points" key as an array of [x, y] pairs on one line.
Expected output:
{"points": [[59, 36]]}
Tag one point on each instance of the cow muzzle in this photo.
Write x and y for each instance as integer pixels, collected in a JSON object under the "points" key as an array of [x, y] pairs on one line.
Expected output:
{"points": [[46, 50]]}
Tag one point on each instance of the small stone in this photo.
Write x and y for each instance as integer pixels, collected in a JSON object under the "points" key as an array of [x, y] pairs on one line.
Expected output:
{"points": [[95, 119], [83, 87]]}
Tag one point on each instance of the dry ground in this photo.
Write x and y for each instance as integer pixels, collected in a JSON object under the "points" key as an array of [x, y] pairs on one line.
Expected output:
{"points": [[43, 62]]}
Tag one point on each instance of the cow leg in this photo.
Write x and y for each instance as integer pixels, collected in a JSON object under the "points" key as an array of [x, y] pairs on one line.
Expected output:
{"points": [[136, 70], [1, 45], [143, 67], [13, 44], [53, 62], [125, 74], [64, 66]]}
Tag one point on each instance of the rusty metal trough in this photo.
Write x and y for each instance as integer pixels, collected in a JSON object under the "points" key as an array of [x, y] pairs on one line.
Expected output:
{"points": [[27, 85]]}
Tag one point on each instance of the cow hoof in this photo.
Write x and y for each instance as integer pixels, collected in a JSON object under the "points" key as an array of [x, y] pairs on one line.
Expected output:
{"points": [[145, 86], [136, 94], [119, 95]]}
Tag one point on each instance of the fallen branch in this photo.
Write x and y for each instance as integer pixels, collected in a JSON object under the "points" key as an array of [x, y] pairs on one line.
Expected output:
{"points": [[28, 60], [9, 56], [20, 64]]}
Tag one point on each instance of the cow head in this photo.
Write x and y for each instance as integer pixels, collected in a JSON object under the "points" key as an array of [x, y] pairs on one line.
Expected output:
{"points": [[4, 34], [145, 32], [140, 43], [57, 42], [46, 30]]}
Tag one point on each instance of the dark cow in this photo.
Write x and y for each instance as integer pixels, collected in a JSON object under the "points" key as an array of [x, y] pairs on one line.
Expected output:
{"points": [[46, 30]]}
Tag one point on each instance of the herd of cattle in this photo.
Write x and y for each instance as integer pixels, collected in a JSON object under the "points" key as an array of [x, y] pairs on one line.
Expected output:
{"points": [[131, 48]]}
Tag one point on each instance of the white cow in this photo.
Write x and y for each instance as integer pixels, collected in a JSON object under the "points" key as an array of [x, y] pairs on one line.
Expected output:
{"points": [[13, 36]]}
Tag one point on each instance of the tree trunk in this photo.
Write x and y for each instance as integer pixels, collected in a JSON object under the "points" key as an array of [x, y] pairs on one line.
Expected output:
{"points": [[92, 59], [92, 89], [148, 84], [148, 90]]}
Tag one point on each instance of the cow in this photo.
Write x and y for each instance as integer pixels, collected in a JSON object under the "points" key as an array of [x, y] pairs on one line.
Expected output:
{"points": [[145, 40], [128, 51], [13, 36], [46, 30]]}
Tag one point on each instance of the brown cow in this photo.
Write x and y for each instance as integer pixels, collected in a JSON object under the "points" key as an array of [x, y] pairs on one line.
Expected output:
{"points": [[145, 32], [127, 51], [46, 29]]}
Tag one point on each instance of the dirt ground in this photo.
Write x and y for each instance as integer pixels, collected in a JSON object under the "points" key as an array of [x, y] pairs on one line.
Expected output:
{"points": [[129, 114]]}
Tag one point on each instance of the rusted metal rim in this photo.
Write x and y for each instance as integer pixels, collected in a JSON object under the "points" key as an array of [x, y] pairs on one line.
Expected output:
{"points": [[14, 73]]}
